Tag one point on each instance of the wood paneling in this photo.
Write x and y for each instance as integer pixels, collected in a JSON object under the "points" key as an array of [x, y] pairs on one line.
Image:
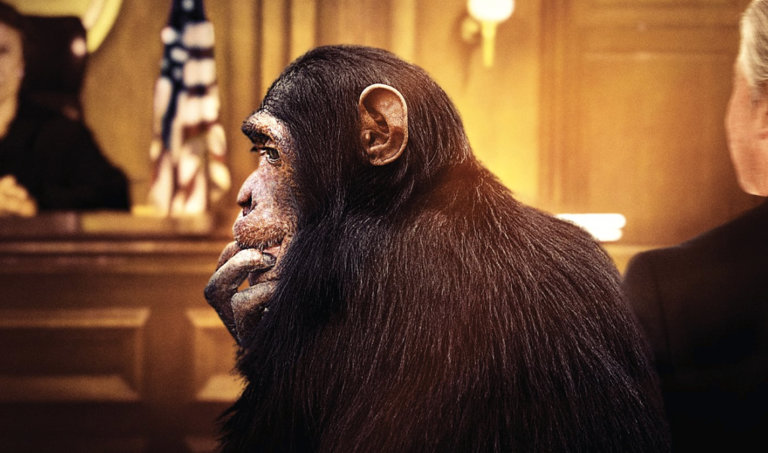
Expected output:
{"points": [[635, 119], [72, 355], [107, 344], [212, 358]]}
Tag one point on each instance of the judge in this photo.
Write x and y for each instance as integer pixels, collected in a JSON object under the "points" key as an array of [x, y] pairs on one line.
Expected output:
{"points": [[47, 161]]}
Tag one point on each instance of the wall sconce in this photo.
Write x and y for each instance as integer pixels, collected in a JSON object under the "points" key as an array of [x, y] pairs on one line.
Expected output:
{"points": [[484, 16]]}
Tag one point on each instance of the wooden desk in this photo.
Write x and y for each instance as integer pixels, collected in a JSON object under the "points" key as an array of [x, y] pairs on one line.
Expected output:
{"points": [[106, 341]]}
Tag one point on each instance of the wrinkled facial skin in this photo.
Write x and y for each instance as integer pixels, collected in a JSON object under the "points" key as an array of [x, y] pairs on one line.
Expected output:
{"points": [[262, 231]]}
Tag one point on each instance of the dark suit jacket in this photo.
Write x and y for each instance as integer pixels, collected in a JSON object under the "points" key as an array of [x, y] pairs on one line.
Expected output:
{"points": [[57, 160], [704, 307]]}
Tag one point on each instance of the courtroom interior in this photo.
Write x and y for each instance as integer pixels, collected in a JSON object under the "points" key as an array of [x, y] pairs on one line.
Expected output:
{"points": [[588, 109]]}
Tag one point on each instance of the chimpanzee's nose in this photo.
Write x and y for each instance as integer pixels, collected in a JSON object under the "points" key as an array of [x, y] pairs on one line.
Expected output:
{"points": [[245, 200]]}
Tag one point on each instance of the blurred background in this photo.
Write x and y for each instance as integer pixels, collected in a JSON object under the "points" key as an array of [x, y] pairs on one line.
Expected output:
{"points": [[589, 106]]}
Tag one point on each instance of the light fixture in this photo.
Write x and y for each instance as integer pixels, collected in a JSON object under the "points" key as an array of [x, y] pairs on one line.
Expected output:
{"points": [[603, 227], [488, 14]]}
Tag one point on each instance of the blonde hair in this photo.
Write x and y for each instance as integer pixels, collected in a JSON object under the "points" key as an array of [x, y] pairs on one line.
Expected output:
{"points": [[753, 49]]}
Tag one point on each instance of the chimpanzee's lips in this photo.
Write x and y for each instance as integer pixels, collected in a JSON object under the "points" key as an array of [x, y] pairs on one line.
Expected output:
{"points": [[274, 250]]}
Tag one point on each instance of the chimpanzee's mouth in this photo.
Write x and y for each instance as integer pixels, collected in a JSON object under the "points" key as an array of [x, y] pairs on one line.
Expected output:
{"points": [[270, 246], [274, 250]]}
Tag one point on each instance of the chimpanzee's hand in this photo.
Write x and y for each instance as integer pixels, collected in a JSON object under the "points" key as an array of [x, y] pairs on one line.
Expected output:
{"points": [[237, 309]]}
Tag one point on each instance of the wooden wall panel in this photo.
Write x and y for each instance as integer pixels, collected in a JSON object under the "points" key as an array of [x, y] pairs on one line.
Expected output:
{"points": [[635, 118], [694, 3], [669, 13], [652, 139], [667, 3], [72, 355], [213, 358], [107, 344]]}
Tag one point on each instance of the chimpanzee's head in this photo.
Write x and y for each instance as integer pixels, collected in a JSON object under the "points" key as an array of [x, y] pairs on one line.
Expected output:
{"points": [[342, 127]]}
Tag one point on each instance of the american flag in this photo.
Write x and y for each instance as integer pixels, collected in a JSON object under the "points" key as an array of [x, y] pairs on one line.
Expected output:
{"points": [[188, 147]]}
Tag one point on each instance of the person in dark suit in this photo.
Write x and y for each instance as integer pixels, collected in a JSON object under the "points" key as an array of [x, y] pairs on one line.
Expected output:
{"points": [[47, 160], [704, 303]]}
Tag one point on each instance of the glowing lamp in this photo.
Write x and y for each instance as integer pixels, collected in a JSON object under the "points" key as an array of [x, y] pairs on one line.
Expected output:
{"points": [[489, 13]]}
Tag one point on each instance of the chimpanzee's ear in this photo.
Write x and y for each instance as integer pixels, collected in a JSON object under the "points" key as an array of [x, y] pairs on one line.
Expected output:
{"points": [[384, 123]]}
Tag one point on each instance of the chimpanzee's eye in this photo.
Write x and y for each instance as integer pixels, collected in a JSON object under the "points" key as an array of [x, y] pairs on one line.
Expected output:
{"points": [[273, 156]]}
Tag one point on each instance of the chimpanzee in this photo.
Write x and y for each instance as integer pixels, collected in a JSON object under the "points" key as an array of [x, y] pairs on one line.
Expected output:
{"points": [[401, 299]]}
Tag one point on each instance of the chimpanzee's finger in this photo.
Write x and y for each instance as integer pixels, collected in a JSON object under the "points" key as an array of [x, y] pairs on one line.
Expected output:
{"points": [[229, 276], [229, 251], [248, 306]]}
